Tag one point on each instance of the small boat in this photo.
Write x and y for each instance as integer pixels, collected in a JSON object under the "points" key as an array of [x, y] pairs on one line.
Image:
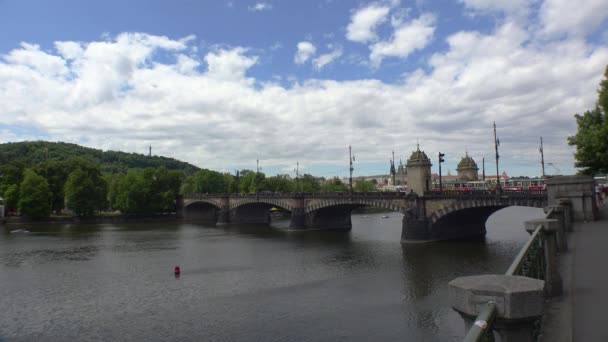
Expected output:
{"points": [[385, 216], [19, 231]]}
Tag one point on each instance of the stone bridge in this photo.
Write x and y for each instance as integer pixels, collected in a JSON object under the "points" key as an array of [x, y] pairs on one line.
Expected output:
{"points": [[432, 216]]}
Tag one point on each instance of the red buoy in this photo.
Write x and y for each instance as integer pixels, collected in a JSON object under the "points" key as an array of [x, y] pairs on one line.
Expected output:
{"points": [[177, 271]]}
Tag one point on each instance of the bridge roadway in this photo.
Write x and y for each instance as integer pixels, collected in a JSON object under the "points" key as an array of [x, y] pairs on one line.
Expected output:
{"points": [[432, 216]]}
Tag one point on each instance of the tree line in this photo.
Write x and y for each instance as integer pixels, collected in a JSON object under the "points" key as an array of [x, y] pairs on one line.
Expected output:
{"points": [[80, 186]]}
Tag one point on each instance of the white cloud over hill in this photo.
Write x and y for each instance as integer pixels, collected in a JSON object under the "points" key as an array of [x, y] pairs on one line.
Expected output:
{"points": [[136, 88]]}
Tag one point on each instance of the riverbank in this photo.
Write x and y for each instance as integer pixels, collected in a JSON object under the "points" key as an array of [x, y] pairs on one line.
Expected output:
{"points": [[19, 221]]}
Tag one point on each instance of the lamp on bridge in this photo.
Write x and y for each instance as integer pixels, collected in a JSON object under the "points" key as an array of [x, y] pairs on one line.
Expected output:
{"points": [[441, 160], [351, 159]]}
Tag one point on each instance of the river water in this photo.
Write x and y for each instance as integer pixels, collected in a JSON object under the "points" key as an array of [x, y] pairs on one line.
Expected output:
{"points": [[241, 282]]}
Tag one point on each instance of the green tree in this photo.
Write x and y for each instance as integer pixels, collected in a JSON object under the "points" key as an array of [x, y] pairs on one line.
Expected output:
{"points": [[34, 195], [334, 185], [56, 174], [308, 183], [364, 186], [251, 182], [205, 181], [80, 193], [11, 197], [11, 174], [279, 183], [591, 136]]}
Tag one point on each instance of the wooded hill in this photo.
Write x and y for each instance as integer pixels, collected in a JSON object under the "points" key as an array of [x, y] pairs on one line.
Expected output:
{"points": [[34, 152]]}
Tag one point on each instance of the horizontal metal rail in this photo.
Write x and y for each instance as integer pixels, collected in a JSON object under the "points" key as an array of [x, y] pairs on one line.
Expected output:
{"points": [[481, 330]]}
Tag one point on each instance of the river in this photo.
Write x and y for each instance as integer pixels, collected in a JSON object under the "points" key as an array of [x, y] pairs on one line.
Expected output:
{"points": [[241, 282]]}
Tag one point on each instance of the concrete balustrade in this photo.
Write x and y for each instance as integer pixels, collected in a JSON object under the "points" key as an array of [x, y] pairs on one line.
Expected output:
{"points": [[558, 212], [519, 303], [553, 280], [571, 199]]}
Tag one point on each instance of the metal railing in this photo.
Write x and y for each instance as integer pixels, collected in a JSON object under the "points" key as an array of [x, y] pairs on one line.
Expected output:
{"points": [[373, 194], [481, 330], [530, 262]]}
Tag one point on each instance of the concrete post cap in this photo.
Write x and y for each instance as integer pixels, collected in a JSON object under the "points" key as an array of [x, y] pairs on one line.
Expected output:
{"points": [[516, 297], [549, 225]]}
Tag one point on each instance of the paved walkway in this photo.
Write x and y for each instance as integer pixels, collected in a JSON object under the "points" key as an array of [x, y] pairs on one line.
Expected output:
{"points": [[581, 314]]}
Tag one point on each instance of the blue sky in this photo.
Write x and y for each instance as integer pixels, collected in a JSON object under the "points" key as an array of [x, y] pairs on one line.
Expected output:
{"points": [[221, 84]]}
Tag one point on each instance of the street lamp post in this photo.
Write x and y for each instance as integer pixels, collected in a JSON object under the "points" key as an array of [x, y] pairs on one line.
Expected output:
{"points": [[351, 159], [441, 160], [297, 171], [496, 144]]}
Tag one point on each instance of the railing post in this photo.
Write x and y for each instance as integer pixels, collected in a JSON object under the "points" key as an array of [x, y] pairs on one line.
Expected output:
{"points": [[557, 212], [553, 280], [567, 205], [519, 303]]}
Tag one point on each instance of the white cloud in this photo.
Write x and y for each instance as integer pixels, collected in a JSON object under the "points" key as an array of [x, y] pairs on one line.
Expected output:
{"points": [[229, 65], [204, 109], [327, 58], [364, 22], [517, 8], [32, 57], [407, 38], [305, 51], [260, 6], [572, 17], [69, 50]]}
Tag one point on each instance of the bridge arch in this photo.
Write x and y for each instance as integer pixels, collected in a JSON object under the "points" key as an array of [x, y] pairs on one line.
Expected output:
{"points": [[203, 210], [398, 206], [467, 219]]}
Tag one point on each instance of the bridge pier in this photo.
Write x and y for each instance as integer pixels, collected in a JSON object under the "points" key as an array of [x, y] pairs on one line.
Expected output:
{"points": [[414, 230], [298, 219], [224, 213], [298, 214], [415, 224]]}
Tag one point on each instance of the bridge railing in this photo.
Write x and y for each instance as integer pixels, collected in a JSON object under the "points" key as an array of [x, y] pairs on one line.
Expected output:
{"points": [[484, 193], [537, 260], [354, 194], [374, 194]]}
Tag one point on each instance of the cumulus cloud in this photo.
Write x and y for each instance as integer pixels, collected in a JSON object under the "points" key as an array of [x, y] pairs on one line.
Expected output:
{"points": [[260, 6], [327, 58], [305, 51], [407, 38], [364, 22], [207, 109], [572, 17], [229, 64]]}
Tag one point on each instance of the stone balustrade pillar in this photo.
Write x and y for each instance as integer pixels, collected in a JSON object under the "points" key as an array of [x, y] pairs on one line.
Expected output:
{"points": [[519, 303], [553, 280], [558, 213], [568, 219]]}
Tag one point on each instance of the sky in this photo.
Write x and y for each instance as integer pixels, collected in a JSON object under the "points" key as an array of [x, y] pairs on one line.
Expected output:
{"points": [[225, 84]]}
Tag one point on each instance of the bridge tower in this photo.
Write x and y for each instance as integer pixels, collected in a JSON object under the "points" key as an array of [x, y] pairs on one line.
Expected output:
{"points": [[467, 169], [419, 172]]}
